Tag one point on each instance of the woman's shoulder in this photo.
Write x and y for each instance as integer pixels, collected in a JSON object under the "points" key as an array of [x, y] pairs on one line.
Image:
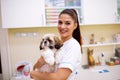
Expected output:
{"points": [[74, 42], [71, 44]]}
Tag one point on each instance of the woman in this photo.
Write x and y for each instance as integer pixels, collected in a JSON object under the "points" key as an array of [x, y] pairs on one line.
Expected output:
{"points": [[68, 27]]}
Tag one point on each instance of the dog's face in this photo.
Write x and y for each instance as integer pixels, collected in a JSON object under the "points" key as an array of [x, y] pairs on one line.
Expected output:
{"points": [[50, 41]]}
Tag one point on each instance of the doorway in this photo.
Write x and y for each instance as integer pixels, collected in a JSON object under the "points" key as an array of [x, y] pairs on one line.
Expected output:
{"points": [[1, 77], [0, 64], [5, 55]]}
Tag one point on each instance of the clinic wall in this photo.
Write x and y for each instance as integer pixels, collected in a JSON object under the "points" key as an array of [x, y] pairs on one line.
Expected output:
{"points": [[27, 48]]}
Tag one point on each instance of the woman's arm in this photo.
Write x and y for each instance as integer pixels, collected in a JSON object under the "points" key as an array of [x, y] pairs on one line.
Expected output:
{"points": [[39, 63], [61, 74]]}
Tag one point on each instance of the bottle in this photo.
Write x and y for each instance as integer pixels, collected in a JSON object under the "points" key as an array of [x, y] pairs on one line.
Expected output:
{"points": [[26, 70], [92, 39], [102, 59]]}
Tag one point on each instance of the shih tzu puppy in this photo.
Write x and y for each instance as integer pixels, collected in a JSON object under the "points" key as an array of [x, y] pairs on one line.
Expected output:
{"points": [[49, 47]]}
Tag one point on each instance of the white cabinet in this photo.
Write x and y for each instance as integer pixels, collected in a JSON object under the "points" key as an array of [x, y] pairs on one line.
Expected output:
{"points": [[22, 13], [99, 11], [118, 11], [36, 13]]}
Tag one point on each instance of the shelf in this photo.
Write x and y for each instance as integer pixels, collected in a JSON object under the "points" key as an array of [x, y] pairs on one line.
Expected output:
{"points": [[95, 45], [76, 7]]}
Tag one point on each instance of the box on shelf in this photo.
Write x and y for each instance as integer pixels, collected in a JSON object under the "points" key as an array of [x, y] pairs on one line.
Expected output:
{"points": [[116, 37]]}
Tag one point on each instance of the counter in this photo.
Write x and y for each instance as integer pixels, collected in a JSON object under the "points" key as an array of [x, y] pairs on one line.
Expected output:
{"points": [[95, 73], [100, 73]]}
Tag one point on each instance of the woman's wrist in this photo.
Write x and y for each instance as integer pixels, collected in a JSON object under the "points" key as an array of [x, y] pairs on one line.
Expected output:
{"points": [[41, 61]]}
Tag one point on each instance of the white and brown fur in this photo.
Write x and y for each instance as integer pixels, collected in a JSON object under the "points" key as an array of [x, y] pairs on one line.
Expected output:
{"points": [[49, 46]]}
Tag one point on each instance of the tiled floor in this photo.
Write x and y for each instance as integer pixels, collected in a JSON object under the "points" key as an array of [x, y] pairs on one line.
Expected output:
{"points": [[1, 77]]}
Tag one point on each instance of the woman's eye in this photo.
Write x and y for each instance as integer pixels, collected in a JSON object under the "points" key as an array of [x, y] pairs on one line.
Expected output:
{"points": [[67, 23], [59, 22]]}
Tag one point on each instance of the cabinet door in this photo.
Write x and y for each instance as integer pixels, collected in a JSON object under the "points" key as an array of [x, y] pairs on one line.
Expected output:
{"points": [[118, 11], [22, 13], [99, 11]]}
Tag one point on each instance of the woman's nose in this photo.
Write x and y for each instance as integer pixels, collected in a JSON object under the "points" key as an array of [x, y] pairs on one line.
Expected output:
{"points": [[62, 26]]}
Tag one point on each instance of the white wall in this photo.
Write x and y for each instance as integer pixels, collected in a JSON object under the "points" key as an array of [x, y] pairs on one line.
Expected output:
{"points": [[27, 48]]}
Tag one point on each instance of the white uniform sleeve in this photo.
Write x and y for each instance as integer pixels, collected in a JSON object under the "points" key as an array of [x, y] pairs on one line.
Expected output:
{"points": [[72, 57]]}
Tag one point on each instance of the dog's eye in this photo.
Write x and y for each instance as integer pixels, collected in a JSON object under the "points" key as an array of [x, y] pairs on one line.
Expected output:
{"points": [[50, 40]]}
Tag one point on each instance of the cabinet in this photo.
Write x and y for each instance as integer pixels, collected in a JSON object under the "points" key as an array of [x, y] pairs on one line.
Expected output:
{"points": [[89, 11], [118, 7], [118, 11], [36, 13], [99, 11], [22, 13]]}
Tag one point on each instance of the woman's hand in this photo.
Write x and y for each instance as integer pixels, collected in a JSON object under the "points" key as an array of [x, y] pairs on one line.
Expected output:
{"points": [[33, 75], [61, 74], [40, 62]]}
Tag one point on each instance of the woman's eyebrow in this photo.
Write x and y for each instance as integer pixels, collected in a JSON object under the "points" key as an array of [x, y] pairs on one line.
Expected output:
{"points": [[59, 21], [68, 21], [64, 21]]}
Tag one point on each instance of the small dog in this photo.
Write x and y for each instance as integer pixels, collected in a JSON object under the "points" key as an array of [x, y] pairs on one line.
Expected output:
{"points": [[49, 46]]}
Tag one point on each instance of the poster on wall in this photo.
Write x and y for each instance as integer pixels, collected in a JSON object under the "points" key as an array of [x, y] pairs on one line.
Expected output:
{"points": [[62, 3]]}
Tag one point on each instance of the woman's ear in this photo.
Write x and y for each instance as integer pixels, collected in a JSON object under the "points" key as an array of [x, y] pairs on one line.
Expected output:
{"points": [[75, 26]]}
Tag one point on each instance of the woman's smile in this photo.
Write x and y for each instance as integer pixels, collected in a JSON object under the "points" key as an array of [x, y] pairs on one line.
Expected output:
{"points": [[63, 31]]}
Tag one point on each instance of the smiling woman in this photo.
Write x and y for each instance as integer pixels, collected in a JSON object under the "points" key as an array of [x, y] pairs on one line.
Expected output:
{"points": [[69, 30], [67, 18]]}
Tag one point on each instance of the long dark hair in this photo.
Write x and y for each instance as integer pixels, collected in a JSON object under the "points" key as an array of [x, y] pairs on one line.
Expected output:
{"points": [[76, 33]]}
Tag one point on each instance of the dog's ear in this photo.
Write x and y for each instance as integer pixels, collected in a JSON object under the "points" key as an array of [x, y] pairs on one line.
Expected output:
{"points": [[41, 45], [58, 42]]}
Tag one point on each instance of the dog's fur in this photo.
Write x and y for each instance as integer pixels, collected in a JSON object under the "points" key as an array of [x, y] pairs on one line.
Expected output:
{"points": [[49, 46]]}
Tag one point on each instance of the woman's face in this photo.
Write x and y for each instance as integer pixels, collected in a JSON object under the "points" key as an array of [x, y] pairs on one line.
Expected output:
{"points": [[66, 26]]}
